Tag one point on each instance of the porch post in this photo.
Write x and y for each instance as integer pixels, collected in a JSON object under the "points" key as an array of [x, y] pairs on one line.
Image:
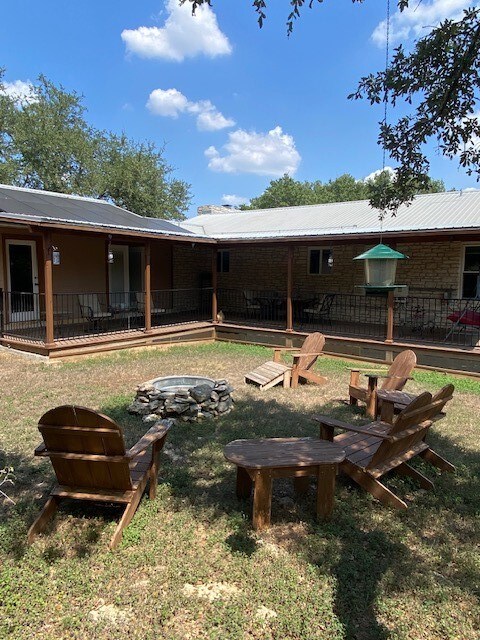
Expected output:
{"points": [[214, 285], [289, 289], [48, 275], [148, 289], [390, 310]]}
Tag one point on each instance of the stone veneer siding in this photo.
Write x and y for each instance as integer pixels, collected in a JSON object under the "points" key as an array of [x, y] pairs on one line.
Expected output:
{"points": [[432, 270]]}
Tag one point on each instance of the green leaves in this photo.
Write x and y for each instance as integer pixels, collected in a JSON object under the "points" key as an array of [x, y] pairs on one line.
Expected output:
{"points": [[46, 143]]}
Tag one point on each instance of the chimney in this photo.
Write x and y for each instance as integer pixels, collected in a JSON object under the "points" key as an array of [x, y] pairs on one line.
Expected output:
{"points": [[214, 209]]}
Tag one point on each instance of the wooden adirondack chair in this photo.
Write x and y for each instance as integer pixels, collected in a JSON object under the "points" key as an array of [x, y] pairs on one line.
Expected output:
{"points": [[378, 447], [87, 451], [395, 379], [275, 371]]}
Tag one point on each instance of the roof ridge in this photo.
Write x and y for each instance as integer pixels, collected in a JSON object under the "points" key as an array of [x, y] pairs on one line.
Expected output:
{"points": [[58, 194]]}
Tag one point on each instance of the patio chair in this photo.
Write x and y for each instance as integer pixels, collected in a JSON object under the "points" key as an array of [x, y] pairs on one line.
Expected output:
{"points": [[395, 379], [392, 402], [275, 371], [321, 310], [376, 448], [252, 305], [92, 310], [156, 307], [88, 455]]}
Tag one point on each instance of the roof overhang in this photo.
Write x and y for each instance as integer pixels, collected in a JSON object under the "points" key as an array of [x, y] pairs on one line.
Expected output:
{"points": [[54, 224]]}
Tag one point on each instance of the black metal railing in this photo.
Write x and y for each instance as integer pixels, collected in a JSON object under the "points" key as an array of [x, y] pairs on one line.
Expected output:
{"points": [[346, 314], [434, 321], [260, 307], [79, 315], [176, 306], [452, 322], [23, 315]]}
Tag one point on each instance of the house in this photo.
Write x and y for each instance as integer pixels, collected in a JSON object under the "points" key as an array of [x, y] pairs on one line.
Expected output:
{"points": [[275, 274]]}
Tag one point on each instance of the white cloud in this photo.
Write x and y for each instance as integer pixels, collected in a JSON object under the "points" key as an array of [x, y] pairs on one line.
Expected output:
{"points": [[418, 19], [264, 154], [20, 91], [183, 36], [234, 200], [171, 103], [374, 174]]}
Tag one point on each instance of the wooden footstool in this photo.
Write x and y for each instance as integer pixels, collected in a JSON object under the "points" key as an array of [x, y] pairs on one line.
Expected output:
{"points": [[260, 461]]}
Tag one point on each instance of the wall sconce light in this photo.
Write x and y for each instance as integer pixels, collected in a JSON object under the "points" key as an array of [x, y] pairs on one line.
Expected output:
{"points": [[110, 256], [55, 255], [330, 258]]}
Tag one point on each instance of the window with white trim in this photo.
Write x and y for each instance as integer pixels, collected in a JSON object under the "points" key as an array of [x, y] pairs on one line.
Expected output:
{"points": [[223, 261], [320, 261], [471, 272]]}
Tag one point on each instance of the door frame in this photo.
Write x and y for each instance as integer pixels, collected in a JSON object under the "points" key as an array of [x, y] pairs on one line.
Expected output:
{"points": [[23, 315]]}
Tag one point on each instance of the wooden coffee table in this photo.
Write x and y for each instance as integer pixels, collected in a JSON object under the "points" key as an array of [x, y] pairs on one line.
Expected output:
{"points": [[260, 461]]}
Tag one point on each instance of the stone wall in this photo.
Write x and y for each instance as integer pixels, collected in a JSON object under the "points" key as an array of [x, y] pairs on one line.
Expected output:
{"points": [[433, 268]]}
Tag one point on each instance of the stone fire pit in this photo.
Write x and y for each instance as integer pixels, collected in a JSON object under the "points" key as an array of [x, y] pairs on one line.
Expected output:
{"points": [[185, 398]]}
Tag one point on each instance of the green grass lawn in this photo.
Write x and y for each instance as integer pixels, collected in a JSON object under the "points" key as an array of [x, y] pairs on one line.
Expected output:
{"points": [[190, 565]]}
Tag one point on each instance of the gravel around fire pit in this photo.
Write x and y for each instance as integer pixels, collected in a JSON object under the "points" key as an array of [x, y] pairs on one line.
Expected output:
{"points": [[184, 398]]}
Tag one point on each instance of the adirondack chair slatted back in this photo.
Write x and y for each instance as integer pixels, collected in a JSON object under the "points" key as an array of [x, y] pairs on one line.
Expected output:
{"points": [[400, 371], [420, 411], [86, 448], [313, 344]]}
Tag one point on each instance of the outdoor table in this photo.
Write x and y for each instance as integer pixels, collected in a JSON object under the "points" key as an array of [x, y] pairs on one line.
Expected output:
{"points": [[260, 461], [391, 401]]}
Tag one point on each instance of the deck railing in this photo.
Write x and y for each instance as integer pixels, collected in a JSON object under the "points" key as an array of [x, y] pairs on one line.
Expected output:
{"points": [[80, 315], [444, 322], [433, 321]]}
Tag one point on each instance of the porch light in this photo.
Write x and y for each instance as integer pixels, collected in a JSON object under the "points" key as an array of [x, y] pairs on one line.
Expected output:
{"points": [[380, 266], [330, 259], [55, 256], [110, 258]]}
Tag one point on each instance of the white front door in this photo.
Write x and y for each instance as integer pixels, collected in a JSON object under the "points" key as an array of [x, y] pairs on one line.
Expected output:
{"points": [[22, 279]]}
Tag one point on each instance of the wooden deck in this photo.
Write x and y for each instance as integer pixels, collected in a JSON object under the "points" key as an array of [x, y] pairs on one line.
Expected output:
{"points": [[463, 360]]}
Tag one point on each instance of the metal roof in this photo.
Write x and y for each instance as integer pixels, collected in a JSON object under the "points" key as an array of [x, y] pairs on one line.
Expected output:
{"points": [[32, 205], [430, 212]]}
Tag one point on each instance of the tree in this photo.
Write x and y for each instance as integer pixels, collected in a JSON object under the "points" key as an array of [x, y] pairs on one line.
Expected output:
{"points": [[287, 192], [134, 176], [46, 143], [438, 81]]}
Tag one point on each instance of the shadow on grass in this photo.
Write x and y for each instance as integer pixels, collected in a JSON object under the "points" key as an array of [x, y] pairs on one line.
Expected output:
{"points": [[361, 552]]}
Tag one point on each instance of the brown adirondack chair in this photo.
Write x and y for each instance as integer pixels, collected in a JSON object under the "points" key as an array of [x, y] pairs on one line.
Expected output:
{"points": [[395, 379], [275, 371], [378, 447], [87, 451]]}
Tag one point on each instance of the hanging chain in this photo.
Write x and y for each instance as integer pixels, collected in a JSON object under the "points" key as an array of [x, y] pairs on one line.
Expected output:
{"points": [[385, 107]]}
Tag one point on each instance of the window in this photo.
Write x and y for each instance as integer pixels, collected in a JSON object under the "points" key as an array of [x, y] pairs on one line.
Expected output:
{"points": [[471, 273], [223, 261], [320, 261]]}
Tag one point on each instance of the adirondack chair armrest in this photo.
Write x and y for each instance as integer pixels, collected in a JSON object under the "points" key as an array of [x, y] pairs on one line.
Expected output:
{"points": [[332, 423], [300, 355], [277, 352], [158, 431], [41, 450]]}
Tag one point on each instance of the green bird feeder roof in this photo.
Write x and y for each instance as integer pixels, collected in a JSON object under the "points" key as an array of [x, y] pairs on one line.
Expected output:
{"points": [[381, 252]]}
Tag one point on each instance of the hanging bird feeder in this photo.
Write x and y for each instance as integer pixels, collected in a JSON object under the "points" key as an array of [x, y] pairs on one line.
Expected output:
{"points": [[380, 267]]}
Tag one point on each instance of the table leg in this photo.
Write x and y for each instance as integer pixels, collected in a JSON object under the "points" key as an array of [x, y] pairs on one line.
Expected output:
{"points": [[244, 483], [262, 499], [325, 489]]}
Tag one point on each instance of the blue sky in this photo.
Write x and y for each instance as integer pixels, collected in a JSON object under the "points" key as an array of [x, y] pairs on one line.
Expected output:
{"points": [[235, 106]]}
